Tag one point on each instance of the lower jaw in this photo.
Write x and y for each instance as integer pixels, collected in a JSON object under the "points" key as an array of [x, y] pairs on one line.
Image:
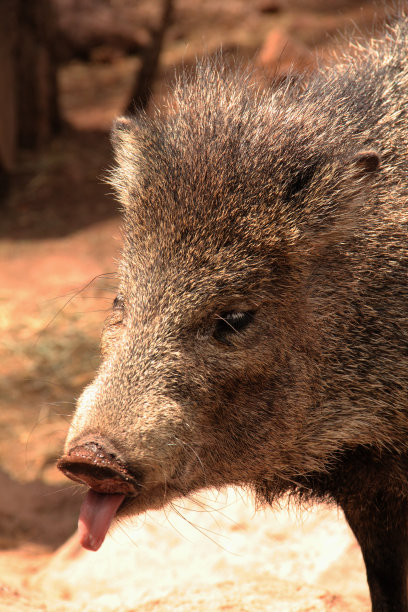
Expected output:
{"points": [[161, 494], [154, 499]]}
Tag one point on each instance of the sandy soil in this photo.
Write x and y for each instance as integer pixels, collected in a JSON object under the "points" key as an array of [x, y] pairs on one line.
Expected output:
{"points": [[59, 238], [230, 559], [189, 559]]}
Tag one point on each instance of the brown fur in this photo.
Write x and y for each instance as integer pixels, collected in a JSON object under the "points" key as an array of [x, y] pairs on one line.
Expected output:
{"points": [[290, 206]]}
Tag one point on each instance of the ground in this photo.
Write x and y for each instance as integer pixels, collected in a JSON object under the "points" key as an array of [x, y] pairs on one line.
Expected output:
{"points": [[59, 238]]}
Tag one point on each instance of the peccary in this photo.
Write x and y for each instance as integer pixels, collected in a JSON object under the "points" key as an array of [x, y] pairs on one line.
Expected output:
{"points": [[260, 333]]}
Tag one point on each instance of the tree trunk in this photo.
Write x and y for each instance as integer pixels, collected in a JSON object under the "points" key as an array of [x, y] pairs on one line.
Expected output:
{"points": [[37, 101], [8, 97], [28, 101], [142, 88]]}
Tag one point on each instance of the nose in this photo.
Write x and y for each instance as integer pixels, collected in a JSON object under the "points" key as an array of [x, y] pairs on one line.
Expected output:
{"points": [[95, 463]]}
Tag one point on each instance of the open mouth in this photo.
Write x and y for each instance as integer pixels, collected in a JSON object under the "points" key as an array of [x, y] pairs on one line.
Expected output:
{"points": [[96, 515], [109, 482], [113, 489], [98, 511]]}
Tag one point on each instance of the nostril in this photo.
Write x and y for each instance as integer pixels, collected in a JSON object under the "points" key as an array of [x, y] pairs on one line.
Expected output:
{"points": [[92, 464]]}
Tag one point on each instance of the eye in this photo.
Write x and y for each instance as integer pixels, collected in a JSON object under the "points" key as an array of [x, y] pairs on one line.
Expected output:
{"points": [[118, 311], [231, 322], [118, 303]]}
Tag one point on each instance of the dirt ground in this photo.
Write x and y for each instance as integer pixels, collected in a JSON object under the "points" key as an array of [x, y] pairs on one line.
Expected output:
{"points": [[59, 238]]}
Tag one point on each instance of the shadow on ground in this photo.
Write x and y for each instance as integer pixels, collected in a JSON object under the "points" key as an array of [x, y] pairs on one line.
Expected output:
{"points": [[36, 513]]}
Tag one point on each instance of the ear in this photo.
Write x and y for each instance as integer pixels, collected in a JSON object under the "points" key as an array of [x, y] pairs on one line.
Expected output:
{"points": [[336, 200], [122, 125], [124, 175], [366, 162], [122, 132]]}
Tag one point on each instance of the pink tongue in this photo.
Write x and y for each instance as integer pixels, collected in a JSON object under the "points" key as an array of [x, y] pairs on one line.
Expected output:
{"points": [[95, 517]]}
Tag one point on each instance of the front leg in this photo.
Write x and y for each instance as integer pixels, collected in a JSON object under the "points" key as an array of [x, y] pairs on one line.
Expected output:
{"points": [[380, 526]]}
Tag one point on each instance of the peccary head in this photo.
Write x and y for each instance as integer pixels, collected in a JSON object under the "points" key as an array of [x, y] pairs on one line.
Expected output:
{"points": [[214, 353]]}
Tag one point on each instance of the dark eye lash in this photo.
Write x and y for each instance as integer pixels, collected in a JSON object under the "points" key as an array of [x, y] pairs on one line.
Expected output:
{"points": [[232, 322]]}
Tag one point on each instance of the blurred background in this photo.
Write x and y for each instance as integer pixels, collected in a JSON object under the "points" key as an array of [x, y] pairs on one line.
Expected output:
{"points": [[67, 69]]}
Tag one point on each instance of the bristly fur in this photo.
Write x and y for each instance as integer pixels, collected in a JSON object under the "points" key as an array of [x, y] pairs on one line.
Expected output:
{"points": [[288, 210], [279, 148]]}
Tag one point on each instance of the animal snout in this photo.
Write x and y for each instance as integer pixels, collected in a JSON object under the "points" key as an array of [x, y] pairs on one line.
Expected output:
{"points": [[95, 464]]}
